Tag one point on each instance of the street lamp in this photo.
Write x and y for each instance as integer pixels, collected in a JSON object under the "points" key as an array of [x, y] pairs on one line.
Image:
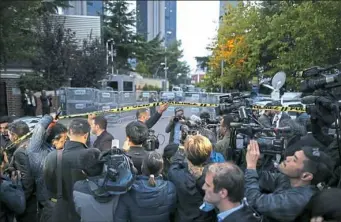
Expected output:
{"points": [[111, 54]]}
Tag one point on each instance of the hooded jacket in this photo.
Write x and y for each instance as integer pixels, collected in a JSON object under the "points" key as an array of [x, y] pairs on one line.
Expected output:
{"points": [[91, 208], [144, 203]]}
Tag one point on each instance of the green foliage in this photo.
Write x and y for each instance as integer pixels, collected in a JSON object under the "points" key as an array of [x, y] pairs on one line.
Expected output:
{"points": [[147, 87], [55, 52], [35, 82], [15, 29], [281, 35], [202, 61], [91, 64], [118, 26]]}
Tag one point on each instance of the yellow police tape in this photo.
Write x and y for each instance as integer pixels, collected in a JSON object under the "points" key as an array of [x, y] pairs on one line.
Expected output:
{"points": [[188, 104]]}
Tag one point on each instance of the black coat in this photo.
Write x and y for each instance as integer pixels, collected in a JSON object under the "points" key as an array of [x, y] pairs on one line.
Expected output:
{"points": [[137, 154], [153, 120], [189, 193], [144, 203], [12, 199], [103, 141], [71, 173]]}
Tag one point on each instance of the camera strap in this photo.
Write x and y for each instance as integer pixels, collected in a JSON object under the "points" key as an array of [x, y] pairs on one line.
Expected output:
{"points": [[59, 174]]}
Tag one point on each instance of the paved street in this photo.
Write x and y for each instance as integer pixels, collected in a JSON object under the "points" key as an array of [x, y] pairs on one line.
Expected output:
{"points": [[116, 125]]}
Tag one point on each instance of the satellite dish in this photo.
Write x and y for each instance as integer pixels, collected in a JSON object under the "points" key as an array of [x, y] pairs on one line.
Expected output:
{"points": [[278, 80]]}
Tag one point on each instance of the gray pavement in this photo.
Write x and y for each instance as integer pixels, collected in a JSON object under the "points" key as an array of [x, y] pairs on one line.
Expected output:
{"points": [[116, 125]]}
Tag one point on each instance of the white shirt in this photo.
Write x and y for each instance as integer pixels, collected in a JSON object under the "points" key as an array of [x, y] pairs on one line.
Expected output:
{"points": [[276, 119]]}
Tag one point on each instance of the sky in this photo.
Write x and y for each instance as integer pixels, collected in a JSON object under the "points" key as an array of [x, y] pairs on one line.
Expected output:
{"points": [[197, 23]]}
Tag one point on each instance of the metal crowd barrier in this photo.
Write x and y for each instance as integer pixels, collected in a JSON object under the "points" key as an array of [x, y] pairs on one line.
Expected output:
{"points": [[82, 100]]}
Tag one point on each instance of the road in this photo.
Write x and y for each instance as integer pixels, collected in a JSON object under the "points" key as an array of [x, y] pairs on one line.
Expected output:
{"points": [[118, 129]]}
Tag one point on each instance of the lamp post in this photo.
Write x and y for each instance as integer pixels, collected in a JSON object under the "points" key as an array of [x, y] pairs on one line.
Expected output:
{"points": [[111, 54]]}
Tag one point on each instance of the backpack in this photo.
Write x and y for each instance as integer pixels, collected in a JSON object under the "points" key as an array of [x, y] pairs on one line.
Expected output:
{"points": [[117, 177]]}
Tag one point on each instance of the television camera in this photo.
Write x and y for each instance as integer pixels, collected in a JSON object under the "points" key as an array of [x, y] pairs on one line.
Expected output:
{"points": [[321, 89], [152, 143], [231, 102]]}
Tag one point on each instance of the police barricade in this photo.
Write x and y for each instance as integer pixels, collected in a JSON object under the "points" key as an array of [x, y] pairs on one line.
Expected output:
{"points": [[126, 98], [77, 100], [143, 96], [166, 96], [105, 100]]}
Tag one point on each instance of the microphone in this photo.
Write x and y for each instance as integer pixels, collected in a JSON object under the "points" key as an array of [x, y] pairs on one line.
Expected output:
{"points": [[309, 99], [195, 119], [236, 125]]}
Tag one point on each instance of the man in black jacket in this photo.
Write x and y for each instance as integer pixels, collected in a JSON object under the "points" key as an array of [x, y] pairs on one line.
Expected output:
{"points": [[78, 134], [137, 134], [224, 188], [20, 161], [99, 128], [143, 115]]}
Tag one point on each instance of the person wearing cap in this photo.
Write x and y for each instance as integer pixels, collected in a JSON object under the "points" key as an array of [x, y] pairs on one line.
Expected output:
{"points": [[288, 191], [174, 126]]}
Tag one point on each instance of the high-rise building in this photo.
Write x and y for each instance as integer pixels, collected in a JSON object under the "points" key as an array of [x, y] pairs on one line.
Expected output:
{"points": [[223, 5], [94, 8], [170, 20], [156, 17], [84, 7]]}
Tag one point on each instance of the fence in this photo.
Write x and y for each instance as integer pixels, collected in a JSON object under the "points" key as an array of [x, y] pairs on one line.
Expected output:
{"points": [[82, 100]]}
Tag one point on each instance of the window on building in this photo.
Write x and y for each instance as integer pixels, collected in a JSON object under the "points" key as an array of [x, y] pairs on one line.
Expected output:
{"points": [[127, 86]]}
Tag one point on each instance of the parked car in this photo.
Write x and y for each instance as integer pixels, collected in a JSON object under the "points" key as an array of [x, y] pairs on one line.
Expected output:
{"points": [[167, 96], [31, 121]]}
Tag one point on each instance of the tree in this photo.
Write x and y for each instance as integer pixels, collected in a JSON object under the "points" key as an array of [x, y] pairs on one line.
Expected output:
{"points": [[202, 62], [286, 35], [174, 54], [91, 66], [16, 22], [118, 26], [150, 55], [55, 52]]}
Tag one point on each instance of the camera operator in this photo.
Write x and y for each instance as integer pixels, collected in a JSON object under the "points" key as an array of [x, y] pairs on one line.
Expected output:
{"points": [[222, 146], [137, 134], [266, 117], [174, 126], [143, 115], [290, 190]]}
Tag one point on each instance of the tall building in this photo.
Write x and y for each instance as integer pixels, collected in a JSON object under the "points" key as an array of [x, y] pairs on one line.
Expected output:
{"points": [[84, 7], [170, 20], [223, 5], [94, 8], [156, 17]]}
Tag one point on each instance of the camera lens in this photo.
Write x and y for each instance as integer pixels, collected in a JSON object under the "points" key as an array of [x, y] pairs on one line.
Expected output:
{"points": [[176, 119]]}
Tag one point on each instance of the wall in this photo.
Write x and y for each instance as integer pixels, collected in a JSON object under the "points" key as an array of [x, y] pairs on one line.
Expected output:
{"points": [[13, 96]]}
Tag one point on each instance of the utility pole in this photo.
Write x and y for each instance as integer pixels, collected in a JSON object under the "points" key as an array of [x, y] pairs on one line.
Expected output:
{"points": [[221, 75]]}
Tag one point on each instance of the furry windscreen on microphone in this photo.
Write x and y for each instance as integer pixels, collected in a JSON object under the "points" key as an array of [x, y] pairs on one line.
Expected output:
{"points": [[297, 129]]}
